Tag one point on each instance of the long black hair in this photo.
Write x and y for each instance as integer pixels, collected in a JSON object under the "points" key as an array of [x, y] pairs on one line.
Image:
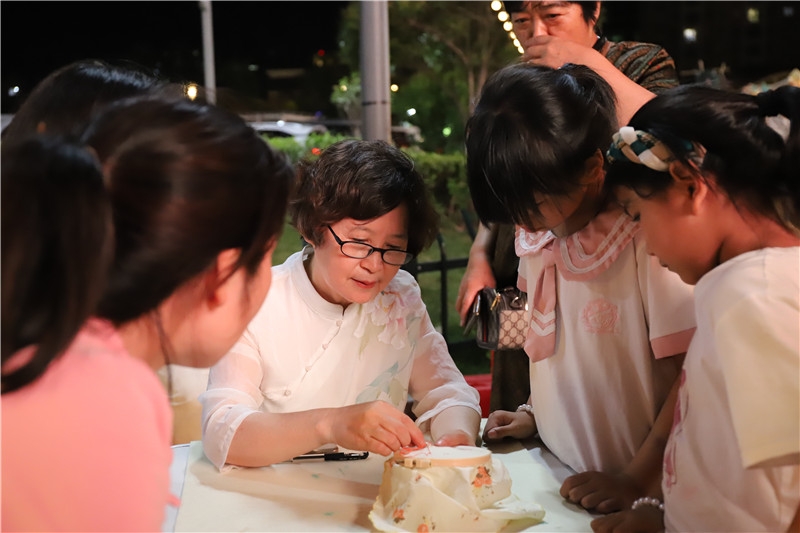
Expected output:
{"points": [[63, 102], [57, 242], [114, 225]]}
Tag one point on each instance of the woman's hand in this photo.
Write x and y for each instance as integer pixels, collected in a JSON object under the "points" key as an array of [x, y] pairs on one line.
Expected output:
{"points": [[601, 492], [376, 427], [477, 276], [501, 424], [478, 273]]}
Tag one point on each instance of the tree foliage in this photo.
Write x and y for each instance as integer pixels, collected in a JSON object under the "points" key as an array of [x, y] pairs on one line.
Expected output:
{"points": [[441, 53]]}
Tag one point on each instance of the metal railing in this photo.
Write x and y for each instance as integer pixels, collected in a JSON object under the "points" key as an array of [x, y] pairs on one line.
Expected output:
{"points": [[442, 266]]}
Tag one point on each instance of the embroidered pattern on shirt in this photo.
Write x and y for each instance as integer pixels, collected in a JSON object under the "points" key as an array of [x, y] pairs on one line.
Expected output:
{"points": [[387, 386], [393, 311], [600, 316]]}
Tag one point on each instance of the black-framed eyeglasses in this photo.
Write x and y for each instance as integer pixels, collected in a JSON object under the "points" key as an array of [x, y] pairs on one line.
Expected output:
{"points": [[362, 250]]}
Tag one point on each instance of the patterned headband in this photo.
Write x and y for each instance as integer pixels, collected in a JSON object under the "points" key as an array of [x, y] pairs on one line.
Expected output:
{"points": [[639, 147]]}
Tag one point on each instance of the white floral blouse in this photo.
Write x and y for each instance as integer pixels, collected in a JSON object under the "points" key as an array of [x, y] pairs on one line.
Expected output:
{"points": [[302, 352]]}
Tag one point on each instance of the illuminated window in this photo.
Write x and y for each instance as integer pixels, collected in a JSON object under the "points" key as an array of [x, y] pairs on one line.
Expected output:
{"points": [[752, 15]]}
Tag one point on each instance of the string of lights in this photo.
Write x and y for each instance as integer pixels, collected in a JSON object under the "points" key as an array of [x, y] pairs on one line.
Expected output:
{"points": [[505, 19]]}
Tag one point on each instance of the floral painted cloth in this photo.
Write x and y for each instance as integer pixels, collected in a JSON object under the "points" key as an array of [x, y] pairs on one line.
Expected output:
{"points": [[610, 321], [470, 491], [302, 352]]}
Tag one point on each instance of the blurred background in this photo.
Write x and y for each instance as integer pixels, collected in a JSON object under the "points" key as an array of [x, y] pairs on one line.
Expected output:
{"points": [[291, 68]]}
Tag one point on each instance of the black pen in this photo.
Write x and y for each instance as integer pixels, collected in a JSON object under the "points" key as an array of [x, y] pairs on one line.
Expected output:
{"points": [[334, 456]]}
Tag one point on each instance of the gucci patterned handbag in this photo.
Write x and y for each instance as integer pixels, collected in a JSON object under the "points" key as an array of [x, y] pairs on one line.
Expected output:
{"points": [[501, 317]]}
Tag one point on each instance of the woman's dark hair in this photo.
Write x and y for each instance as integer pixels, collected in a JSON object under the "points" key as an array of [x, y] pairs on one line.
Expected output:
{"points": [[184, 182], [64, 101], [532, 132], [362, 180], [588, 9], [57, 243], [748, 159]]}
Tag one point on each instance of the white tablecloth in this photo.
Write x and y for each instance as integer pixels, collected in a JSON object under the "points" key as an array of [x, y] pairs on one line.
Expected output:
{"points": [[337, 496]]}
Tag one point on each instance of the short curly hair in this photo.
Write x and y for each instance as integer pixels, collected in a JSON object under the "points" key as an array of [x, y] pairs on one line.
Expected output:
{"points": [[361, 180]]}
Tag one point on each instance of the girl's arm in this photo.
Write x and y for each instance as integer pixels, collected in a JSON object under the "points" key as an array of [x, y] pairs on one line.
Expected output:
{"points": [[613, 492], [646, 466]]}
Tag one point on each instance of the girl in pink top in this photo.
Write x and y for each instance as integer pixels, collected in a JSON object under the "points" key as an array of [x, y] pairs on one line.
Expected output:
{"points": [[608, 324], [148, 241]]}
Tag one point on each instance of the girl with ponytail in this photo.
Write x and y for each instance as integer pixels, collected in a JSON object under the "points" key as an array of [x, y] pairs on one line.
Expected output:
{"points": [[716, 190], [148, 241]]}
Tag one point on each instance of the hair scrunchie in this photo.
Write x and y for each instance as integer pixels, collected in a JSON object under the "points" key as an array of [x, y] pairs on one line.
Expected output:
{"points": [[639, 147]]}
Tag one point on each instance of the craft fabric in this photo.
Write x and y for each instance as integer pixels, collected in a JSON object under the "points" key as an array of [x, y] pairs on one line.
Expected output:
{"points": [[475, 497]]}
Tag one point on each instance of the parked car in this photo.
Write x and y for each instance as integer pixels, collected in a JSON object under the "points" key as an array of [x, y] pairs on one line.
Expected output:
{"points": [[281, 128]]}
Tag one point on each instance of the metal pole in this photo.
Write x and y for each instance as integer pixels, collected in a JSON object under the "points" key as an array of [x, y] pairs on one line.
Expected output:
{"points": [[208, 51], [376, 110]]}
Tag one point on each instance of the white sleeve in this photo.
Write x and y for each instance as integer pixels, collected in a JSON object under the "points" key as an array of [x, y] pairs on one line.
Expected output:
{"points": [[436, 383], [759, 342], [233, 394]]}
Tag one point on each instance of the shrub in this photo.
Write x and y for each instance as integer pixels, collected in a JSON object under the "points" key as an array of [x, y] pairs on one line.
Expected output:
{"points": [[288, 146], [446, 177], [320, 141], [444, 174]]}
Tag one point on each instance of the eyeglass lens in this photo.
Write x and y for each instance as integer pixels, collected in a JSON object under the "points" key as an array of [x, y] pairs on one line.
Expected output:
{"points": [[358, 250]]}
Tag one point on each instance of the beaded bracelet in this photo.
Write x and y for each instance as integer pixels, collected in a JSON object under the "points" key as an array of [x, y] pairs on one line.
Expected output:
{"points": [[525, 407], [528, 409], [648, 500]]}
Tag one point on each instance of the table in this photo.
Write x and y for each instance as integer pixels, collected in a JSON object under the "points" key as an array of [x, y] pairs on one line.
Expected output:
{"points": [[337, 496]]}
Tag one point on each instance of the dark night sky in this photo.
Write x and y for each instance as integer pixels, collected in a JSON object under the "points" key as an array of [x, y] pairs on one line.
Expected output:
{"points": [[38, 36]]}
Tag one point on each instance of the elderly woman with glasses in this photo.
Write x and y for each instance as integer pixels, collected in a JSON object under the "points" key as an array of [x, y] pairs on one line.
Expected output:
{"points": [[343, 340]]}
